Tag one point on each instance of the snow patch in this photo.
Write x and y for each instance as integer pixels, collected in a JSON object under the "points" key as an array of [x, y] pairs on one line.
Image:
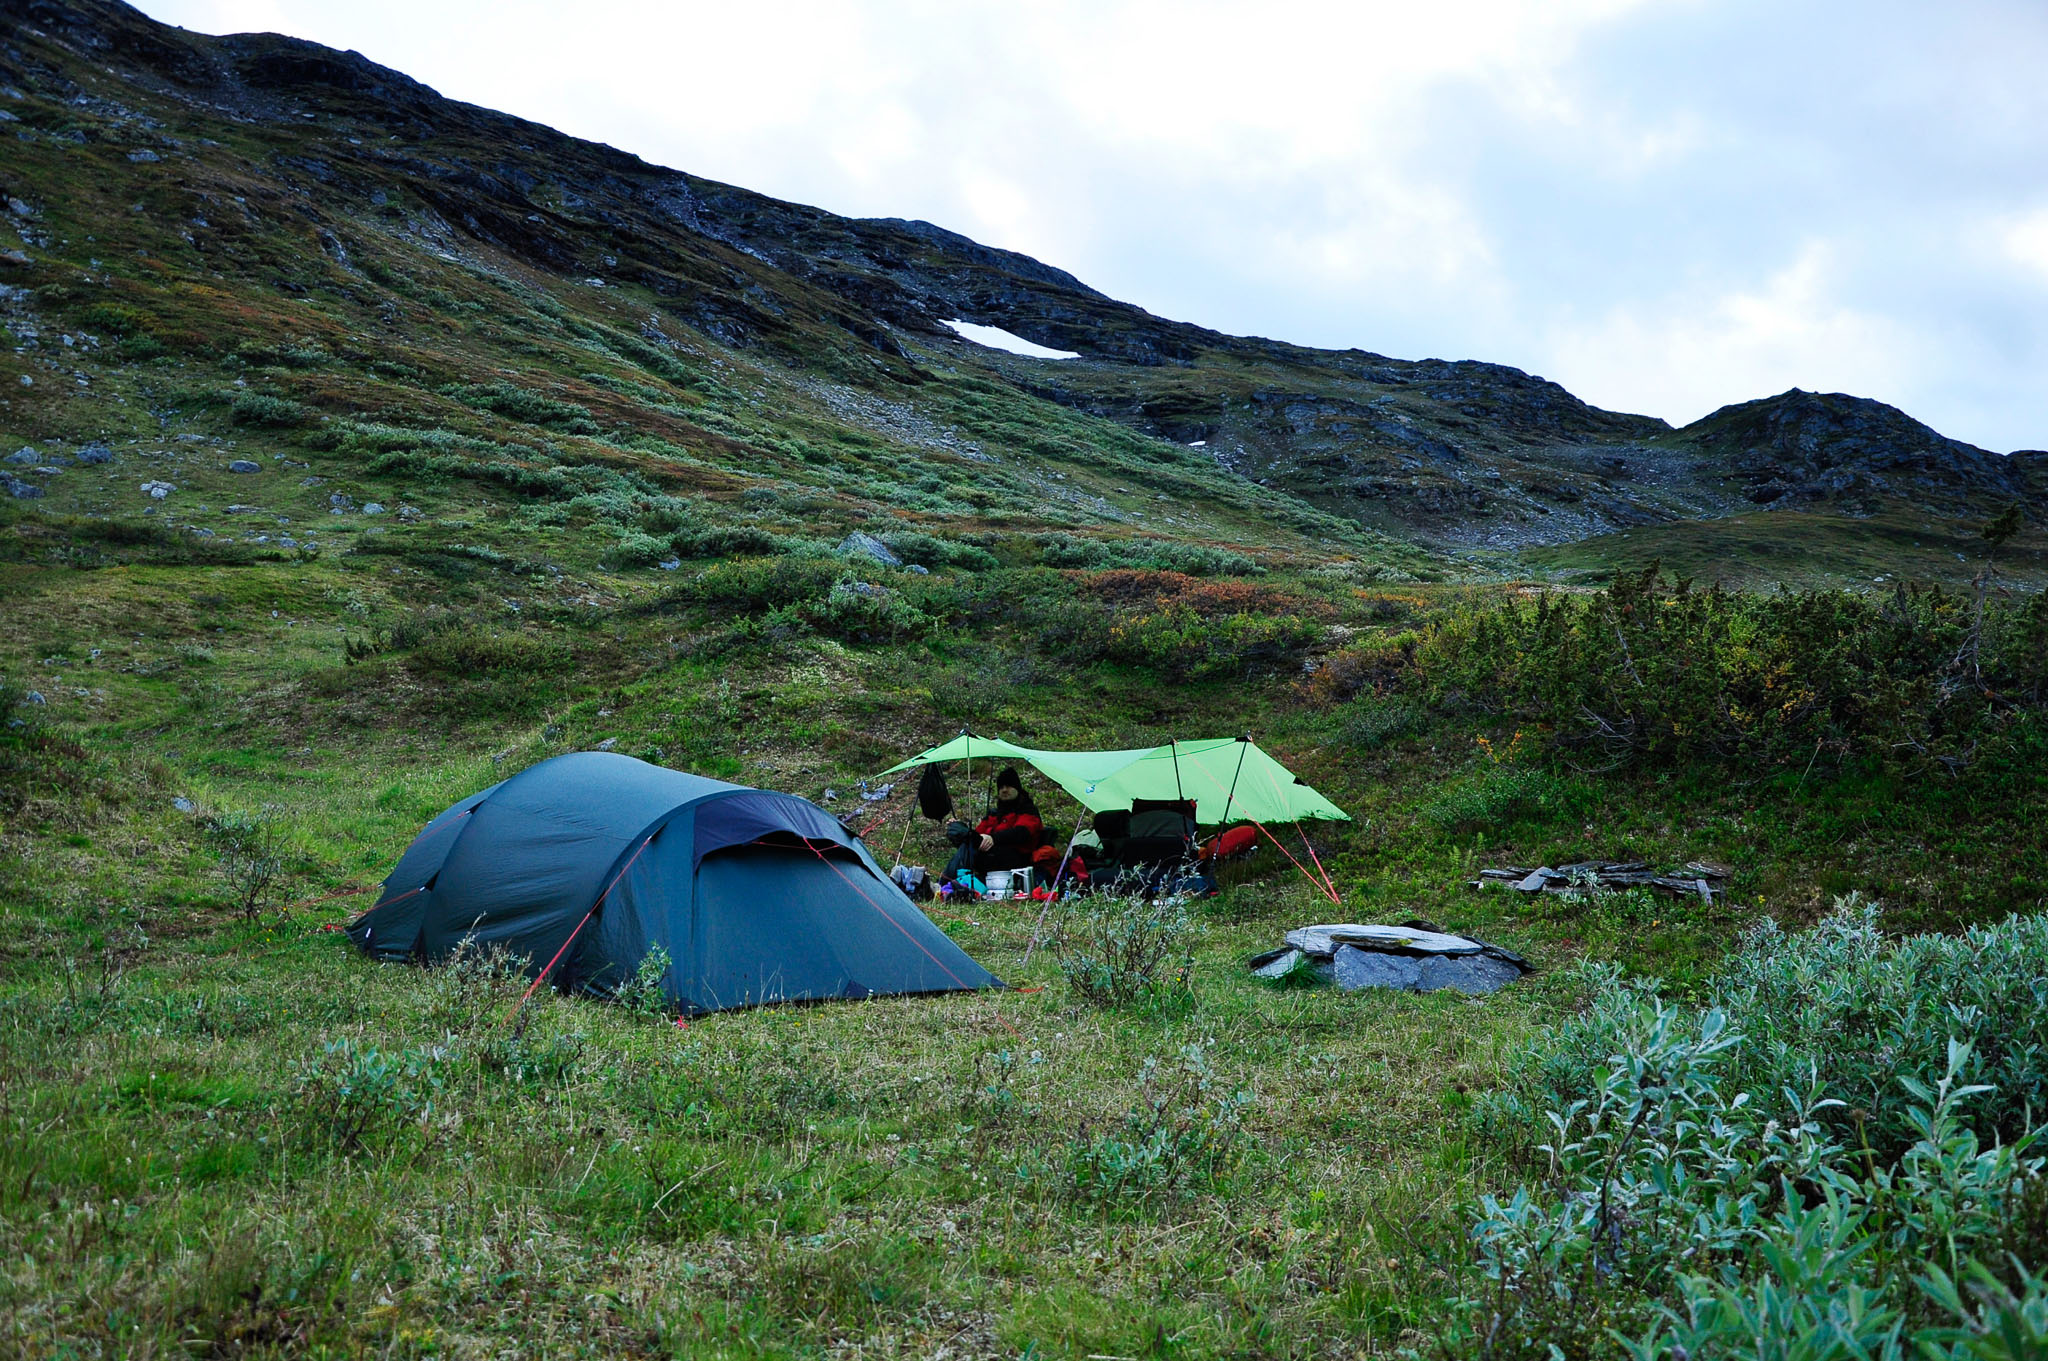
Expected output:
{"points": [[997, 339]]}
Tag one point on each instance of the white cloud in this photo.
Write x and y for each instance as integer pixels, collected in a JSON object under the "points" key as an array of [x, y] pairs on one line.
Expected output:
{"points": [[2024, 238], [1683, 357]]}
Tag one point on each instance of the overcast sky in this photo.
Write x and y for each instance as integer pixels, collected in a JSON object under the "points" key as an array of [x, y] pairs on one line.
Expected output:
{"points": [[1664, 206]]}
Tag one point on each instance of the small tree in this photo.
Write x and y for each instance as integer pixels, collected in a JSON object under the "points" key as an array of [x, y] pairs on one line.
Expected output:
{"points": [[249, 854], [2002, 528]]}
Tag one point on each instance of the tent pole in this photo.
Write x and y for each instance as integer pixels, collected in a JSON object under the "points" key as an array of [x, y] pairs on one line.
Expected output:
{"points": [[1173, 746], [1244, 745]]}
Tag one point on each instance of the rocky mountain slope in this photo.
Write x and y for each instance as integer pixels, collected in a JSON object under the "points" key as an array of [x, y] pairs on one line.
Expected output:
{"points": [[421, 289]]}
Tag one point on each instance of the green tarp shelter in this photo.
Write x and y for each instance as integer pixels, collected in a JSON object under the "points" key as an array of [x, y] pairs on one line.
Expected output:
{"points": [[1228, 777]]}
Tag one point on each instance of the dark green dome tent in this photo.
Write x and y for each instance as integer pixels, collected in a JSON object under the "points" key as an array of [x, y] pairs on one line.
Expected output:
{"points": [[582, 864]]}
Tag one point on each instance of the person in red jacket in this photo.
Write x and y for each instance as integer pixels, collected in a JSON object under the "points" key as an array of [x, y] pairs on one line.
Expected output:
{"points": [[1007, 837]]}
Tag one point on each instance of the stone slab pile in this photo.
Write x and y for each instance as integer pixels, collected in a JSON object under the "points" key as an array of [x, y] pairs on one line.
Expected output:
{"points": [[1410, 958], [1695, 880]]}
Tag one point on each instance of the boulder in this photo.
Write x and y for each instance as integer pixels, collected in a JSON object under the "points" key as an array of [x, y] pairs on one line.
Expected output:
{"points": [[1358, 968], [243, 465], [867, 545], [95, 454], [24, 456], [20, 490], [1476, 975]]}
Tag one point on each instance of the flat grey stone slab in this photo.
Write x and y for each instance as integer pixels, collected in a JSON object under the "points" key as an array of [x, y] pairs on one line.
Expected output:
{"points": [[1473, 974], [1323, 940], [1358, 968]]}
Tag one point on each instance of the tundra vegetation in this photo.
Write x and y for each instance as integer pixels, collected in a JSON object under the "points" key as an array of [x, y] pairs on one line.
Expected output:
{"points": [[500, 511]]}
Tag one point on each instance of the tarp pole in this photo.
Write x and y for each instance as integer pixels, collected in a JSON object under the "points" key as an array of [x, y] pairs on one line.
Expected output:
{"points": [[1244, 744]]}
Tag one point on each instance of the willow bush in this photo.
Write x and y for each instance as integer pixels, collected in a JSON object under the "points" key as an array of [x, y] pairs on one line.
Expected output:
{"points": [[1655, 672]]}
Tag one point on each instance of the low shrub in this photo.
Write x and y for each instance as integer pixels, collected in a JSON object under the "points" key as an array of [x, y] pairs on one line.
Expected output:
{"points": [[1371, 722], [645, 993], [262, 409], [1654, 672], [728, 541], [860, 611], [1184, 1136], [639, 550], [470, 653], [1847, 1007], [474, 989], [1067, 550], [524, 404], [1376, 668], [1127, 951], [757, 585], [1802, 1166], [354, 1097], [927, 550]]}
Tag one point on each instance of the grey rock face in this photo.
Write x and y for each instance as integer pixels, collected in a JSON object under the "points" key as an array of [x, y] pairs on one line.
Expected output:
{"points": [[1473, 974], [867, 545], [1358, 968]]}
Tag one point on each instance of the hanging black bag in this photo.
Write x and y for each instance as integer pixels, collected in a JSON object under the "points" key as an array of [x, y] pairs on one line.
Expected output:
{"points": [[934, 800]]}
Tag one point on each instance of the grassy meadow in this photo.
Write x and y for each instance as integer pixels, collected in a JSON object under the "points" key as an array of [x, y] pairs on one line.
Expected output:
{"points": [[228, 1134]]}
